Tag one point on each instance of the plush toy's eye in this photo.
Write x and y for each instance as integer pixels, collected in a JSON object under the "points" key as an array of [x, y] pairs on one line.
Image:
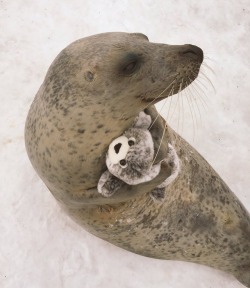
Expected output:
{"points": [[123, 163], [131, 141]]}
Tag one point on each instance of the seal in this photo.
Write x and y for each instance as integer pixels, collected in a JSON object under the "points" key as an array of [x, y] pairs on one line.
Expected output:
{"points": [[91, 94]]}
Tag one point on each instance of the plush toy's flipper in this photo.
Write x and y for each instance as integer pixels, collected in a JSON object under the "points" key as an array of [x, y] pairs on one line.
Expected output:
{"points": [[174, 162], [151, 174], [108, 184], [142, 121]]}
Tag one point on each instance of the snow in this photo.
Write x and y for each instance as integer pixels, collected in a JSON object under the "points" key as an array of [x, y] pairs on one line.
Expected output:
{"points": [[40, 245]]}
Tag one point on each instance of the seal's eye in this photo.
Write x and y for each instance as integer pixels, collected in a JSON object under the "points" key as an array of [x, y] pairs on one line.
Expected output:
{"points": [[130, 68], [130, 63], [123, 163], [131, 141]]}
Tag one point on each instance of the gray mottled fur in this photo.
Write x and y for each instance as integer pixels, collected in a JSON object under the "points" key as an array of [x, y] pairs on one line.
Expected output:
{"points": [[139, 159]]}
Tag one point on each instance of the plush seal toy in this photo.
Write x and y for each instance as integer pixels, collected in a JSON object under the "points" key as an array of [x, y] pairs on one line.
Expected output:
{"points": [[130, 159]]}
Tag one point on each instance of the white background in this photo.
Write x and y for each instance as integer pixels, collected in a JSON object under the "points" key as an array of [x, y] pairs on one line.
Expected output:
{"points": [[39, 245]]}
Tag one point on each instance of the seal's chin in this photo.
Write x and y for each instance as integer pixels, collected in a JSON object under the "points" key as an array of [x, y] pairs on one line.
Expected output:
{"points": [[153, 100]]}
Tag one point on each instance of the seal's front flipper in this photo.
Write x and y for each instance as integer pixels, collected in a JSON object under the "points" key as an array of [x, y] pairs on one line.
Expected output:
{"points": [[130, 191], [158, 194], [126, 192], [244, 276]]}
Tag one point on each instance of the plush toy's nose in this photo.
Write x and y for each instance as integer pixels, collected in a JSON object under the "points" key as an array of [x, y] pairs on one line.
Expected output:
{"points": [[117, 147]]}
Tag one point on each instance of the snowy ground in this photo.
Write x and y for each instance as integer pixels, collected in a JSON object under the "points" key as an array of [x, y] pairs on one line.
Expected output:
{"points": [[40, 245]]}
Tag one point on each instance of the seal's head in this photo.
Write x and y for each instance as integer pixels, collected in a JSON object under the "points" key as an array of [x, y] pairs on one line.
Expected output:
{"points": [[91, 94], [119, 72]]}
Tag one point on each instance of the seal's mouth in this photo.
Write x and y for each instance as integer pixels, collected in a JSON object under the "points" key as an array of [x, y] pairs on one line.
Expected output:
{"points": [[182, 79]]}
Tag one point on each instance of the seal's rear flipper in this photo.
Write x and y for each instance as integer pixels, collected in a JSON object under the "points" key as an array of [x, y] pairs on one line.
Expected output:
{"points": [[244, 277]]}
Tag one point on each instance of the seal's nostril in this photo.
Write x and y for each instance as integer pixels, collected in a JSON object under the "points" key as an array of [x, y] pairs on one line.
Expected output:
{"points": [[189, 51], [192, 51]]}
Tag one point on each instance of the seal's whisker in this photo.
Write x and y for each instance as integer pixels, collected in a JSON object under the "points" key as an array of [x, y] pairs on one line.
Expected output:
{"points": [[163, 133], [151, 102], [165, 126], [202, 100], [200, 93], [205, 65], [202, 84], [209, 81], [191, 112], [182, 108], [171, 98], [171, 116], [179, 108], [196, 105], [189, 92], [159, 112], [170, 113], [204, 79], [208, 58]]}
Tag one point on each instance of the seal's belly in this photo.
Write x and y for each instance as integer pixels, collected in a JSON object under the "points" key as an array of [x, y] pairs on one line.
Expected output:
{"points": [[182, 229]]}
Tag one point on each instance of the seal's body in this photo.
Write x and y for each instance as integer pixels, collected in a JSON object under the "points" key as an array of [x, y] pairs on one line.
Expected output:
{"points": [[91, 94]]}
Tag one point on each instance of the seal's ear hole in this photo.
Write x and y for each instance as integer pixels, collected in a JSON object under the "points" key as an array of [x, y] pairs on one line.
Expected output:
{"points": [[89, 76], [123, 163], [131, 141], [117, 147]]}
